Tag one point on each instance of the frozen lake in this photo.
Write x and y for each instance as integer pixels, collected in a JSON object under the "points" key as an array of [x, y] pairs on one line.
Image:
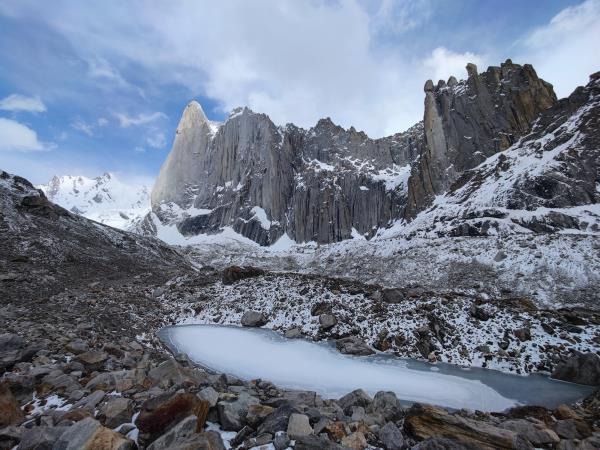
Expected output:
{"points": [[251, 353]]}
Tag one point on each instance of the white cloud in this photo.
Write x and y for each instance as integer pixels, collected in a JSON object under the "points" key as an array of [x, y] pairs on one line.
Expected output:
{"points": [[141, 119], [139, 149], [102, 121], [300, 61], [17, 102], [442, 63], [83, 126], [157, 140], [565, 51], [15, 136]]}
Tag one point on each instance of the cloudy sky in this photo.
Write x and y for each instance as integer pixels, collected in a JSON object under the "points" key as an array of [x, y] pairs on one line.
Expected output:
{"points": [[88, 87]]}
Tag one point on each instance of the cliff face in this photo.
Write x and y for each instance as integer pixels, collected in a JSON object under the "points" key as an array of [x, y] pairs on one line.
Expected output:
{"points": [[466, 122], [323, 184], [326, 184]]}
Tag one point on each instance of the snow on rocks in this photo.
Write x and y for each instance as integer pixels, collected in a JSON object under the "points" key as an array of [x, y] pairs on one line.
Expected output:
{"points": [[508, 334]]}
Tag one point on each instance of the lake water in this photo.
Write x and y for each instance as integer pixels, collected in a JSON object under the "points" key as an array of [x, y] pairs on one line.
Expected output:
{"points": [[251, 353]]}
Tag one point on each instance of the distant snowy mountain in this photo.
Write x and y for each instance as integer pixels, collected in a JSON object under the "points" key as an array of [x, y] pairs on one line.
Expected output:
{"points": [[105, 199]]}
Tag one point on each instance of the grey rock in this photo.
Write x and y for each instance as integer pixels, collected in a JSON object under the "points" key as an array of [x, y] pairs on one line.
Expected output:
{"points": [[281, 441], [387, 405], [170, 372], [353, 345], [327, 321], [88, 434], [472, 120], [536, 433], [278, 420], [293, 333], [357, 397], [232, 415], [176, 435], [582, 368], [253, 319], [210, 395], [40, 438], [313, 442], [391, 437], [115, 411], [298, 425]]}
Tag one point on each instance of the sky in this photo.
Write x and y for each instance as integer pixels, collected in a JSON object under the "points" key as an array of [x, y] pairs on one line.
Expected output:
{"points": [[90, 87]]}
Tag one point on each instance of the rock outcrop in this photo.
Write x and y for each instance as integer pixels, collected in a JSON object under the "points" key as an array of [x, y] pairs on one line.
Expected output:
{"points": [[264, 181], [327, 183], [468, 121]]}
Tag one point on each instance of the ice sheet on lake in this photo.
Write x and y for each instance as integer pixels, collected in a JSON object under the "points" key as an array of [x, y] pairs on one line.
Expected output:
{"points": [[299, 364]]}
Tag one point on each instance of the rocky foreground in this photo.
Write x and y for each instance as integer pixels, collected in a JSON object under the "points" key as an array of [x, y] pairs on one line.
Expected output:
{"points": [[82, 369], [89, 384]]}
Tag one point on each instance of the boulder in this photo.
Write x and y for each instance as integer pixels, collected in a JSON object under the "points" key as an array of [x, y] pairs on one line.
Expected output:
{"points": [[160, 413], [92, 359], [391, 437], [392, 295], [298, 425], [235, 273], [10, 411], [353, 345], [293, 333], [581, 368], [257, 414], [357, 397], [327, 321], [210, 395], [313, 442], [535, 432], [120, 380], [183, 436], [425, 421], [115, 411], [355, 441], [278, 420], [523, 334], [38, 438], [171, 373], [387, 405], [88, 434], [253, 319], [232, 415]]}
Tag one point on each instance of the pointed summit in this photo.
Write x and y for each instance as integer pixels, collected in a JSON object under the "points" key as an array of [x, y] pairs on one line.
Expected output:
{"points": [[193, 116]]}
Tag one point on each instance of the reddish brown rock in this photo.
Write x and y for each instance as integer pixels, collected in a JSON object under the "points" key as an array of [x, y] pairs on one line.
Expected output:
{"points": [[160, 413], [10, 412]]}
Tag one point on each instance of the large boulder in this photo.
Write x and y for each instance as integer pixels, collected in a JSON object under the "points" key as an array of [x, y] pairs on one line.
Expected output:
{"points": [[184, 436], [171, 373], [353, 345], [115, 411], [160, 413], [357, 397], [253, 319], [387, 405], [235, 273], [391, 437], [298, 426], [88, 434], [425, 421], [232, 415], [581, 368], [327, 321], [10, 412]]}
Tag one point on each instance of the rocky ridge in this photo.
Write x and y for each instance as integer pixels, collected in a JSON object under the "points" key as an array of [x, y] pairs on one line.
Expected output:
{"points": [[327, 184]]}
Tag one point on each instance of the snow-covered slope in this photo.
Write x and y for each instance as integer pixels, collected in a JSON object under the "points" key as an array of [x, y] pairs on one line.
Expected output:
{"points": [[105, 199]]}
